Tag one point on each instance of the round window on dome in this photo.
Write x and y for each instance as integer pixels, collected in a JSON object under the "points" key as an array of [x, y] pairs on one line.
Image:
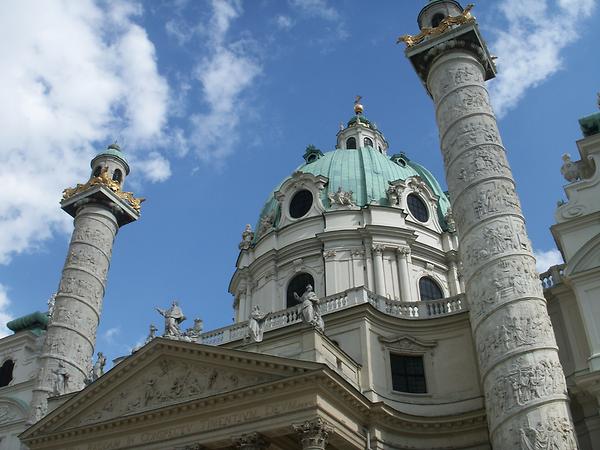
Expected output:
{"points": [[417, 207], [301, 203]]}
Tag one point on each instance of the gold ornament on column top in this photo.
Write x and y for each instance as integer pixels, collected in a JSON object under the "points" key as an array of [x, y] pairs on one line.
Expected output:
{"points": [[445, 25], [104, 180]]}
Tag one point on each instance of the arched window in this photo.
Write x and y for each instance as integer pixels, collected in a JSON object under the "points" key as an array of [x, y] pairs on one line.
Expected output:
{"points": [[437, 19], [368, 142], [97, 171], [118, 175], [298, 285], [429, 289], [6, 372], [351, 143]]}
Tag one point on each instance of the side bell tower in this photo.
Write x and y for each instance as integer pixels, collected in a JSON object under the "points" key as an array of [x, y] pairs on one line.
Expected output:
{"points": [[525, 390], [99, 207]]}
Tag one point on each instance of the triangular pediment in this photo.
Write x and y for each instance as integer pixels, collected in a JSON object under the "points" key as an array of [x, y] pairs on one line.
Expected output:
{"points": [[166, 373]]}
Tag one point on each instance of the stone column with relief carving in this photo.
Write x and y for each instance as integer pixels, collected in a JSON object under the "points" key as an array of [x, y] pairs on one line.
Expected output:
{"points": [[313, 434], [251, 441], [99, 208], [523, 381]]}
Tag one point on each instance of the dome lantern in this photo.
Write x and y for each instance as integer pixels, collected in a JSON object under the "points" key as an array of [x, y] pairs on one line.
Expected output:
{"points": [[360, 132]]}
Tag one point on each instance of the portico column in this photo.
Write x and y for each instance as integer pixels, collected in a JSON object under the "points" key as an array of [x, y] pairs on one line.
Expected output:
{"points": [[403, 278], [250, 441], [378, 269], [313, 434]]}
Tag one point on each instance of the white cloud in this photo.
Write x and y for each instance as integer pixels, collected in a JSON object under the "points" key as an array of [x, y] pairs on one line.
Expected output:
{"points": [[5, 316], [546, 259], [225, 75], [110, 335], [156, 168], [529, 51], [73, 76], [284, 22], [317, 8]]}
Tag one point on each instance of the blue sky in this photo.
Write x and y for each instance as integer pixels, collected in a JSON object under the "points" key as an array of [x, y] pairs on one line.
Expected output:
{"points": [[215, 102]]}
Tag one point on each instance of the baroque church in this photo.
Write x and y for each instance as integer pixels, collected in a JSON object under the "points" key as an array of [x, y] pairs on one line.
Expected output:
{"points": [[373, 310]]}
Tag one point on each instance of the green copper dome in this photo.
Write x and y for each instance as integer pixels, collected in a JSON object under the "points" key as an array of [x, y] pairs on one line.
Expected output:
{"points": [[365, 172]]}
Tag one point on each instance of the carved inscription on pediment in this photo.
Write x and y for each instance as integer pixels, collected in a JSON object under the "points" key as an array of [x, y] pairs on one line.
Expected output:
{"points": [[167, 382]]}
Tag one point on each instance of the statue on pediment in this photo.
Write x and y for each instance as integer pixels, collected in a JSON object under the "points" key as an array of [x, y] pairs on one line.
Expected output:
{"points": [[173, 318]]}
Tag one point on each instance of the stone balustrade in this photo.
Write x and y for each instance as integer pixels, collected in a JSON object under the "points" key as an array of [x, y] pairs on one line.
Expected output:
{"points": [[417, 310], [552, 276]]}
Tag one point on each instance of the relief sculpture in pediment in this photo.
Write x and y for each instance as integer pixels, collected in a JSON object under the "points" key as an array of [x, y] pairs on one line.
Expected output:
{"points": [[168, 382]]}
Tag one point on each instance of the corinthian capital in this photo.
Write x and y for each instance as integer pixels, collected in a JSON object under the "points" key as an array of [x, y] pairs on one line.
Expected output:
{"points": [[313, 434], [378, 248], [250, 441]]}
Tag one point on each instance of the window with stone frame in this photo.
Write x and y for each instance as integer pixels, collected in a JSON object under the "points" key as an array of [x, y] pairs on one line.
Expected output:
{"points": [[429, 289], [408, 374], [6, 372], [351, 143]]}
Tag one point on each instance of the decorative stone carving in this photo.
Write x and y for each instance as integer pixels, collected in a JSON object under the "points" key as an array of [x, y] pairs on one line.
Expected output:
{"points": [[407, 344], [449, 218], [313, 434], [61, 379], [570, 170], [520, 371], [151, 333], [51, 302], [515, 328], [98, 369], [378, 249], [256, 324], [247, 237], [554, 433], [266, 224], [193, 334], [341, 198], [169, 381], [523, 384], [251, 441], [173, 318], [505, 280], [393, 193], [298, 265], [311, 312], [329, 254], [7, 414], [503, 236]]}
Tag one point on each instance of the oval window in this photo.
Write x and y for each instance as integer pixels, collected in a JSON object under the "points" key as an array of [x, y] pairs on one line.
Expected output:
{"points": [[417, 208], [301, 203], [429, 289]]}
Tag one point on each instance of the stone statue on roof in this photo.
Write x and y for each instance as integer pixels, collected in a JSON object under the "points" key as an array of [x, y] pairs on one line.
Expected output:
{"points": [[173, 318], [311, 312]]}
